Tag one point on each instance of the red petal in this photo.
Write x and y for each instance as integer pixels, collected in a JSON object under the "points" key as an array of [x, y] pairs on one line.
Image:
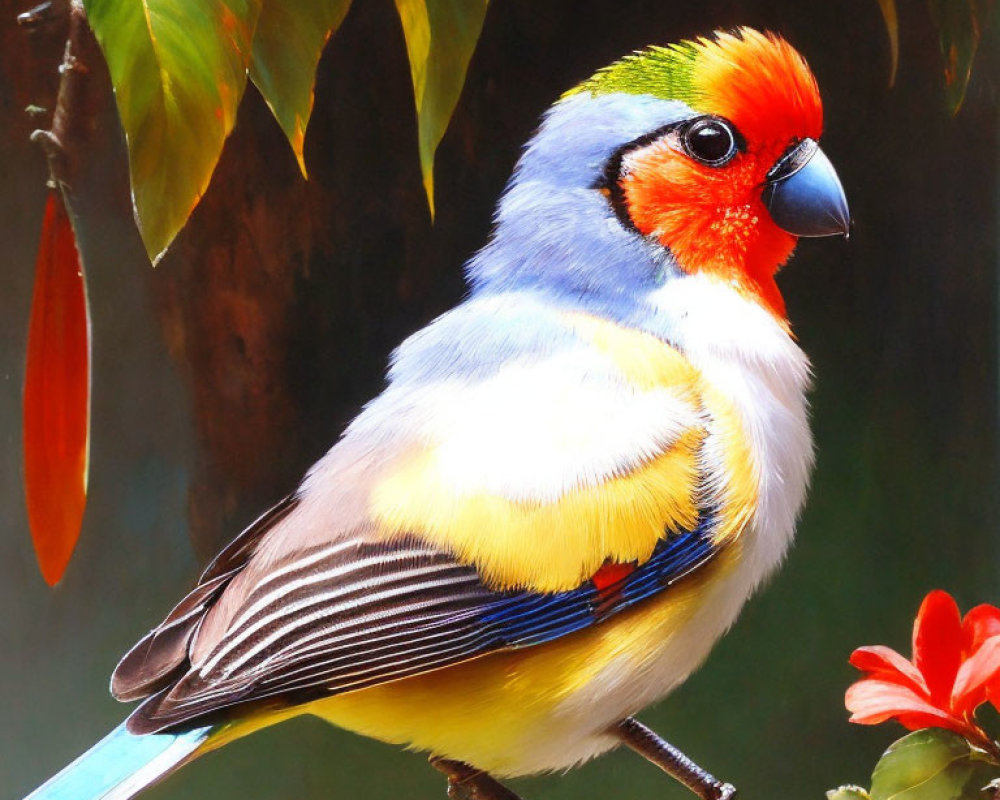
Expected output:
{"points": [[57, 395], [969, 691], [886, 664], [980, 624], [871, 702], [937, 644]]}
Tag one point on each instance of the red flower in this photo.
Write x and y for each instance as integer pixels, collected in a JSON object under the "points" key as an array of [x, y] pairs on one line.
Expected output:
{"points": [[955, 669]]}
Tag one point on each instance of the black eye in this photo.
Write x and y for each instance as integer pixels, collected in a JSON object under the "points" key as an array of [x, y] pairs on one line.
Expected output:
{"points": [[710, 141]]}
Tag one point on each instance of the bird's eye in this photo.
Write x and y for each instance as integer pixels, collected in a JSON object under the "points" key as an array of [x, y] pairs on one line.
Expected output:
{"points": [[710, 141]]}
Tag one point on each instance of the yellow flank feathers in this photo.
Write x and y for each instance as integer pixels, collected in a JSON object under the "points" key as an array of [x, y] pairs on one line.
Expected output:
{"points": [[545, 547], [649, 363]]}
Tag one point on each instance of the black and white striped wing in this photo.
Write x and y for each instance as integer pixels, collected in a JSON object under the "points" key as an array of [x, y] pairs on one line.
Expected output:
{"points": [[356, 613]]}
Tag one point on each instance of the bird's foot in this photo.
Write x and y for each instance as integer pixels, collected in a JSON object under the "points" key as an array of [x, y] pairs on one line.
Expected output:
{"points": [[469, 783]]}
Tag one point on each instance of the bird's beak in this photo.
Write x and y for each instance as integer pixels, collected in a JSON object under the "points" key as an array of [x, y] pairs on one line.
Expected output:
{"points": [[803, 193]]}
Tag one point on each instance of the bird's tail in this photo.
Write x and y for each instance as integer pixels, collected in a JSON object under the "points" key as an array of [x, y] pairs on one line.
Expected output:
{"points": [[122, 764]]}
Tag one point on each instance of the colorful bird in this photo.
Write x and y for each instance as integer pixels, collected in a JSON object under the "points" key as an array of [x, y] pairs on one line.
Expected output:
{"points": [[573, 480]]}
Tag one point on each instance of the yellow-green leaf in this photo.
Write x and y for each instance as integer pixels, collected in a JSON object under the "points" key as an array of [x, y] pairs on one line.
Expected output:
{"points": [[959, 24], [931, 764], [440, 37], [286, 48], [179, 70], [888, 8]]}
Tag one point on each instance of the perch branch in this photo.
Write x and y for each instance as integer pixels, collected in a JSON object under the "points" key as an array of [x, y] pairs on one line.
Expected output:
{"points": [[657, 750], [468, 783]]}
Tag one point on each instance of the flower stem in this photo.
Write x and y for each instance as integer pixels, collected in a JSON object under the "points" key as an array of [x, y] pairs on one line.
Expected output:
{"points": [[979, 739]]}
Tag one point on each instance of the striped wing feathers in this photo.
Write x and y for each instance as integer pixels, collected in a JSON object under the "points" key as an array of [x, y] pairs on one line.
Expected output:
{"points": [[341, 617], [419, 611], [159, 657]]}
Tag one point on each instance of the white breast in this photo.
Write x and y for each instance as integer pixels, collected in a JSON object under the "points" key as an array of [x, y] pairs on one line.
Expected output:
{"points": [[751, 358], [754, 361]]}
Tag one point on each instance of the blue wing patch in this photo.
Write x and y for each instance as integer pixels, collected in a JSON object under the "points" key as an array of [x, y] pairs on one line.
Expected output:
{"points": [[525, 619]]}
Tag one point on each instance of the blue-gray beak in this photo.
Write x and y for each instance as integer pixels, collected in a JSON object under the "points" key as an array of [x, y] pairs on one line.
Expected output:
{"points": [[803, 193]]}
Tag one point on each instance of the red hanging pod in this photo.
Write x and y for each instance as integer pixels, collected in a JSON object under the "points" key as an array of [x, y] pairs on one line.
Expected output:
{"points": [[57, 395]]}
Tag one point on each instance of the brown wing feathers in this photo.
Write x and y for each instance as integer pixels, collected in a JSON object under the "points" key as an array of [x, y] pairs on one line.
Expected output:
{"points": [[341, 616], [161, 656]]}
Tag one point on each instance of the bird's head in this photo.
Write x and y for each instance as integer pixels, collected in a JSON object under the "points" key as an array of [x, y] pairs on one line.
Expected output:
{"points": [[706, 150]]}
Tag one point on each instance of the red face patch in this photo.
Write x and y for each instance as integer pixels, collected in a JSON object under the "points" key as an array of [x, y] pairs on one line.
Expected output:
{"points": [[711, 218]]}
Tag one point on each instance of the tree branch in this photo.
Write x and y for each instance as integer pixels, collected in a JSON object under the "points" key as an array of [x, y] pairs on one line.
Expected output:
{"points": [[82, 98]]}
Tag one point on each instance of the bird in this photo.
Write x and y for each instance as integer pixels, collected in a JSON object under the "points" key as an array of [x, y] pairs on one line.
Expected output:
{"points": [[572, 481]]}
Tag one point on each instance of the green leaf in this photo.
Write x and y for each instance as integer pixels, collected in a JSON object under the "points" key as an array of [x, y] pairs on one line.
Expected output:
{"points": [[440, 37], [179, 70], [289, 40], [931, 764], [959, 24], [848, 793], [888, 8]]}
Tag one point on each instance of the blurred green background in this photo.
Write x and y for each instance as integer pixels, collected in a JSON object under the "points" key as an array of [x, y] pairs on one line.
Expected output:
{"points": [[220, 376]]}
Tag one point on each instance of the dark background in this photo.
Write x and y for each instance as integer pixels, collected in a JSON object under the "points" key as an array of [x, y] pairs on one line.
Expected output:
{"points": [[220, 376]]}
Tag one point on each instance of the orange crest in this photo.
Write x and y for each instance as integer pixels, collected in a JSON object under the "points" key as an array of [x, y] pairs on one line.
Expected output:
{"points": [[761, 84]]}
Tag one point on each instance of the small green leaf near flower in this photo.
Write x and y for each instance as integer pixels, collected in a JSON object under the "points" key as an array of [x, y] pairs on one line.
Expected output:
{"points": [[931, 764]]}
